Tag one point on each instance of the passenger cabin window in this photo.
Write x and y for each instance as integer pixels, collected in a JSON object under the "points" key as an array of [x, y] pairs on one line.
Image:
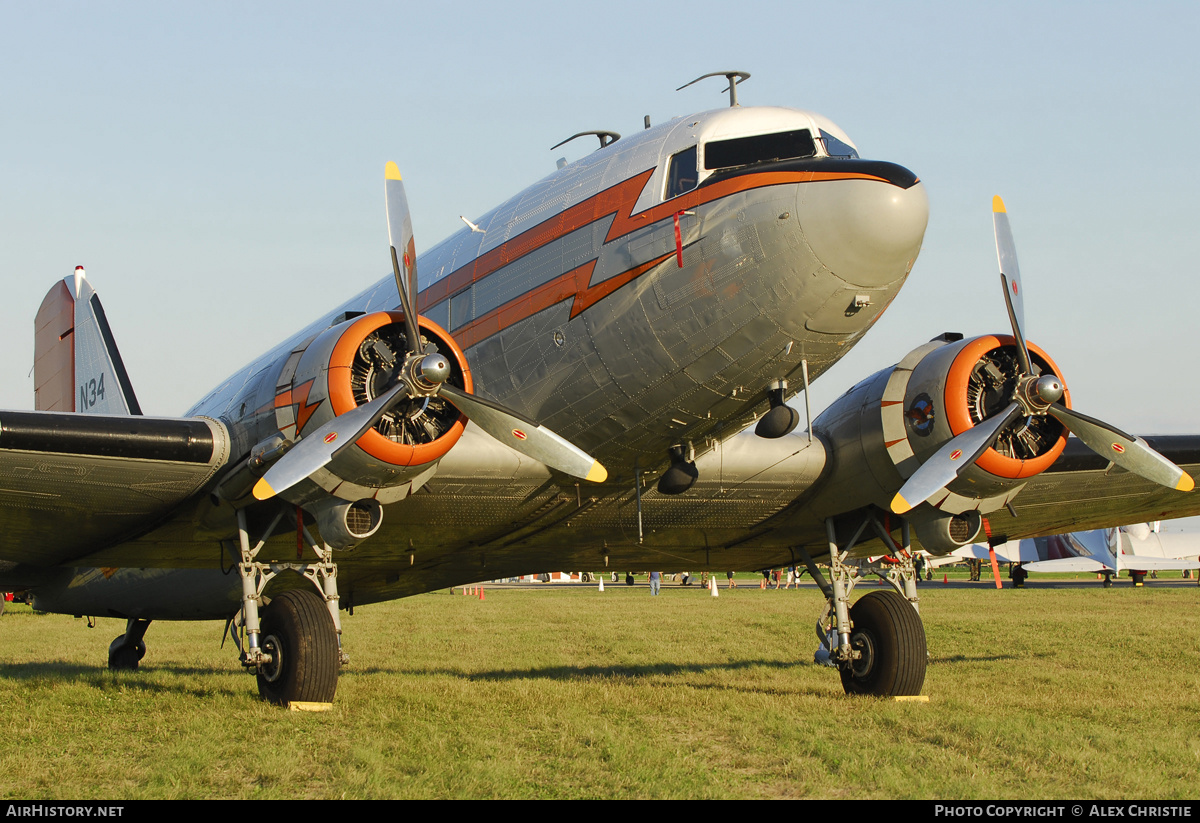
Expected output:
{"points": [[462, 308], [835, 147], [681, 173], [759, 148]]}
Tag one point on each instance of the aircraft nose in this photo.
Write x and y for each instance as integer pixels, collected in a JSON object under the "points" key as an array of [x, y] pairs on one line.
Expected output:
{"points": [[866, 231]]}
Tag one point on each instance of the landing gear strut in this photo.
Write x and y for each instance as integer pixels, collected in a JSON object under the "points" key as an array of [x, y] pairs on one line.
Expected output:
{"points": [[294, 649], [878, 645]]}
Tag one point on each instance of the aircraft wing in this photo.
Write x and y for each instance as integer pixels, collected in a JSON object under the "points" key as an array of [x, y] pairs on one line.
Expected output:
{"points": [[1134, 562], [1141, 563], [71, 484], [1082, 491], [1067, 564]]}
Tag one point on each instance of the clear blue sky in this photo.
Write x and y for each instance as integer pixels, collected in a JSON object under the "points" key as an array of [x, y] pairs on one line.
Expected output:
{"points": [[217, 166]]}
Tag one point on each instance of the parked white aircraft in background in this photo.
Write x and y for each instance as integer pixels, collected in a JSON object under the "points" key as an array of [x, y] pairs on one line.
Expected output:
{"points": [[1139, 548]]}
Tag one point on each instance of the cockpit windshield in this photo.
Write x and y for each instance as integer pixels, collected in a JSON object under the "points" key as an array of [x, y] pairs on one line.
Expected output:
{"points": [[835, 147], [759, 148]]}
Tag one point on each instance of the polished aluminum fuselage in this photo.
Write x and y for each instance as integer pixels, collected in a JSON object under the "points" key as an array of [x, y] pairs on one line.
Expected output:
{"points": [[572, 307]]}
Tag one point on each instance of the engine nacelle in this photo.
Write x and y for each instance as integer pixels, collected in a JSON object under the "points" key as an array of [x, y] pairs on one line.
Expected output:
{"points": [[347, 366], [886, 426]]}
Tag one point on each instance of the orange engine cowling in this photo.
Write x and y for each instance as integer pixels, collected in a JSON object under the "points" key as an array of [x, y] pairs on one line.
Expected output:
{"points": [[959, 385], [347, 366]]}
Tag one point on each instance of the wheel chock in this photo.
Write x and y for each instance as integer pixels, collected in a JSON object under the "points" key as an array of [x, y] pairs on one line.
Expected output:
{"points": [[302, 706]]}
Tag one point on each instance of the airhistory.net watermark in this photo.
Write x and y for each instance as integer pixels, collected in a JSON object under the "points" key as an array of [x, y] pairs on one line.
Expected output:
{"points": [[1088, 810], [61, 810]]}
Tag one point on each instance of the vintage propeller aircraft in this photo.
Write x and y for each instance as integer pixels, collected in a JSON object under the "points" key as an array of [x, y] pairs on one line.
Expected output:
{"points": [[645, 305]]}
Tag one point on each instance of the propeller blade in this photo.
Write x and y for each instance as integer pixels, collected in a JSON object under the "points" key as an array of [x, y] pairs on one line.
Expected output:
{"points": [[525, 436], [404, 251], [1010, 279], [1127, 451], [957, 454], [315, 450]]}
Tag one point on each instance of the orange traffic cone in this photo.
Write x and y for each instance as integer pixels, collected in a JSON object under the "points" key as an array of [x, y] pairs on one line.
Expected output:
{"points": [[945, 579], [481, 592]]}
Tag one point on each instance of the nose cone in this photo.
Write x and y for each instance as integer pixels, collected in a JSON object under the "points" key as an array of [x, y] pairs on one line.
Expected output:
{"points": [[865, 231]]}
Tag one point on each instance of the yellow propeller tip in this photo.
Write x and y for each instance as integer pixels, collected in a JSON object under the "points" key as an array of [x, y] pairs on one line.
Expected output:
{"points": [[900, 505], [1186, 483], [263, 490], [391, 171], [597, 473], [998, 205]]}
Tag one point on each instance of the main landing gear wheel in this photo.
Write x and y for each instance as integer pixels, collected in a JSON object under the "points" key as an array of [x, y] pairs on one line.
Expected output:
{"points": [[889, 634], [298, 634]]}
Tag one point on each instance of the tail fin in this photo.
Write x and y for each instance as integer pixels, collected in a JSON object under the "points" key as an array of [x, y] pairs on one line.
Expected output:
{"points": [[76, 363]]}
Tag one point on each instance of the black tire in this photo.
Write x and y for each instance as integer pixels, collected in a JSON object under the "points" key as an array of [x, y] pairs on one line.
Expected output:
{"points": [[298, 633], [125, 657], [889, 633]]}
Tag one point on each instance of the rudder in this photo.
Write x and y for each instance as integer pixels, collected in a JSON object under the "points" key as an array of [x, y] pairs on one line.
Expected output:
{"points": [[77, 366]]}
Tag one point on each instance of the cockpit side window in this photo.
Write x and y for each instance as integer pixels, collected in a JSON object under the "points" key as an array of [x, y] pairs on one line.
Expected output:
{"points": [[759, 148], [835, 147], [681, 173]]}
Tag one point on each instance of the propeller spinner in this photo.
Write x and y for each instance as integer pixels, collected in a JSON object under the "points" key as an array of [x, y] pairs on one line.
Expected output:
{"points": [[422, 375], [1034, 396]]}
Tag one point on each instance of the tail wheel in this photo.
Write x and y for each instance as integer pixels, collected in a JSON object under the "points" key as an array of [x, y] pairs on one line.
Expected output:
{"points": [[298, 634], [891, 639], [123, 656]]}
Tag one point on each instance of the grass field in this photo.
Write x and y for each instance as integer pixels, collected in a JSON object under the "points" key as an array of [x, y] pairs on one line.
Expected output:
{"points": [[567, 692]]}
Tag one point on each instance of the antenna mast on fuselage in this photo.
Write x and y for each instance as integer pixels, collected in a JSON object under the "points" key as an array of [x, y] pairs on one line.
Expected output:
{"points": [[734, 77]]}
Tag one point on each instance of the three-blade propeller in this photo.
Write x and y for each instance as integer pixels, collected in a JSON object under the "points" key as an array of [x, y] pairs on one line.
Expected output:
{"points": [[422, 375], [1034, 396]]}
